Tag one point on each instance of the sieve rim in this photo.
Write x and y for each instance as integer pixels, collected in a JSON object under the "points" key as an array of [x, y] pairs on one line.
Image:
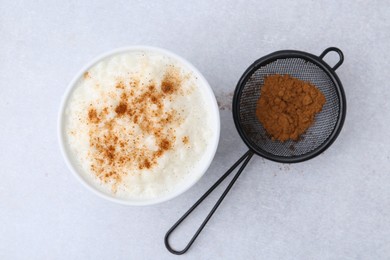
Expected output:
{"points": [[288, 54]]}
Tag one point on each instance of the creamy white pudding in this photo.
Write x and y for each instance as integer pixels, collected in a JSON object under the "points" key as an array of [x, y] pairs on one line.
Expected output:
{"points": [[137, 125]]}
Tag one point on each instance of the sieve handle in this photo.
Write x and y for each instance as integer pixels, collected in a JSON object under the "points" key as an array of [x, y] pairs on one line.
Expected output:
{"points": [[247, 156], [339, 52]]}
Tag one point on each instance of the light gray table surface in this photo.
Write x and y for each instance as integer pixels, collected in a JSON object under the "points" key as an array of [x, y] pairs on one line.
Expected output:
{"points": [[336, 206]]}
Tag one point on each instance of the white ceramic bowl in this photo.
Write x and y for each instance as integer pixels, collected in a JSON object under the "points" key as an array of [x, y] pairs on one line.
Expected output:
{"points": [[201, 167]]}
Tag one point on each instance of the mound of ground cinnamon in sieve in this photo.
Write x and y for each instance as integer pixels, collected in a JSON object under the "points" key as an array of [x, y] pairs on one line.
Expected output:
{"points": [[287, 106]]}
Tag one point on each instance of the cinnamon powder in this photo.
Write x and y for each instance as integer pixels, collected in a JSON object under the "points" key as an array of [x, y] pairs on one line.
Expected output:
{"points": [[287, 106], [116, 149]]}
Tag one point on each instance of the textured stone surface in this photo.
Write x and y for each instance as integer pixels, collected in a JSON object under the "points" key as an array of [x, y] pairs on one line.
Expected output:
{"points": [[336, 206]]}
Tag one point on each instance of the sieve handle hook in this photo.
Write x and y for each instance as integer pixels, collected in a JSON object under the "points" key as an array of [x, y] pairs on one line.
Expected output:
{"points": [[338, 51], [247, 156]]}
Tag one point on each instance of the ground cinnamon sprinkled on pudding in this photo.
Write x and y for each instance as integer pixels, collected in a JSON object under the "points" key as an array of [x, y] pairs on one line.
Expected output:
{"points": [[121, 108], [114, 148], [185, 139], [92, 116], [170, 82], [86, 75], [138, 124]]}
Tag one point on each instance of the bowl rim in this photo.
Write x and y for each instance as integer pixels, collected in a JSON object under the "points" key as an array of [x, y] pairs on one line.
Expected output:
{"points": [[211, 148]]}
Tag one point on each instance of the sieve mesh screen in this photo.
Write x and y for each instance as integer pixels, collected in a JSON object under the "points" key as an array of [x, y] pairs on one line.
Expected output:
{"points": [[317, 134]]}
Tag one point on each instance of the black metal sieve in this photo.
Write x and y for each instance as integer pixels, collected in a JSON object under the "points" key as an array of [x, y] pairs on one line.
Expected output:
{"points": [[318, 137]]}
